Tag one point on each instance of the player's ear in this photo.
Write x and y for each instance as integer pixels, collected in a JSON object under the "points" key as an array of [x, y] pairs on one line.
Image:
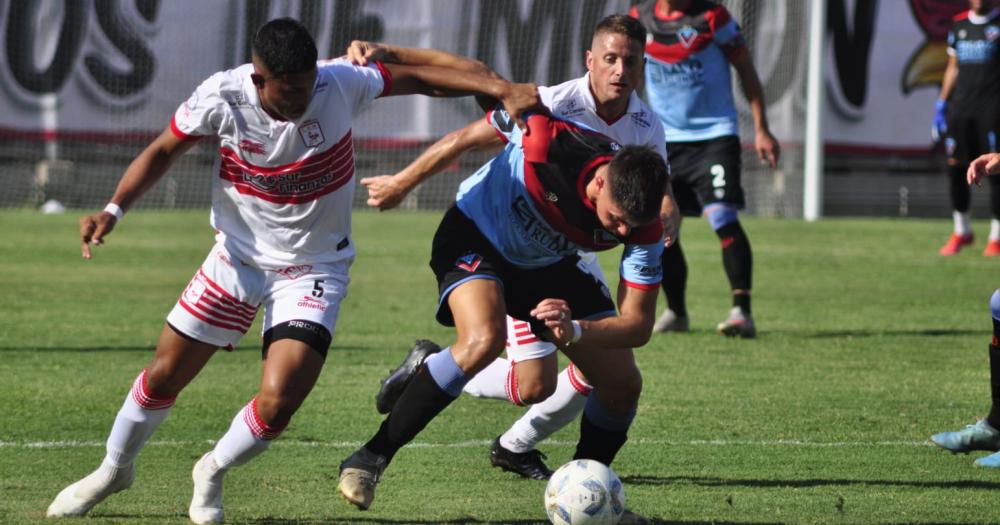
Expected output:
{"points": [[258, 80], [590, 60]]}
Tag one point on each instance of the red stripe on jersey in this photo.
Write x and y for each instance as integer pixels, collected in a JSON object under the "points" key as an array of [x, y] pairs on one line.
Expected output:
{"points": [[386, 79], [296, 183], [246, 307], [640, 286], [675, 53], [962, 16], [180, 134], [145, 398]]}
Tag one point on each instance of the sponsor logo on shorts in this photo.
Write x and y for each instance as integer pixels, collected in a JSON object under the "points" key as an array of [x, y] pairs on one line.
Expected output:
{"points": [[195, 289], [311, 133], [294, 272], [469, 262], [309, 302], [224, 258]]}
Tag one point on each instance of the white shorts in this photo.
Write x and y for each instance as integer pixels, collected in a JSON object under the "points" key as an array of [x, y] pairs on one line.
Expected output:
{"points": [[522, 343], [220, 303]]}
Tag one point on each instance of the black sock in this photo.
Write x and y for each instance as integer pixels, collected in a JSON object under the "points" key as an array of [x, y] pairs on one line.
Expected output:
{"points": [[421, 402], [743, 301], [675, 273], [737, 258], [599, 444], [958, 188], [994, 416]]}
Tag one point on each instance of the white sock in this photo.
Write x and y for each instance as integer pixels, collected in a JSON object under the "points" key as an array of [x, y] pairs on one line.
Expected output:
{"points": [[492, 381], [248, 436], [545, 418], [995, 230], [962, 224], [139, 417]]}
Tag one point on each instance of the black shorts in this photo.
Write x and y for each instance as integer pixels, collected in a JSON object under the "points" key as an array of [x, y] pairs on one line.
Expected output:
{"points": [[705, 172], [461, 253], [970, 136]]}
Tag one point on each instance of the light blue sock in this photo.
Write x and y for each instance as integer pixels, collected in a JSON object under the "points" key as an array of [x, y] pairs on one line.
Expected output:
{"points": [[446, 372]]}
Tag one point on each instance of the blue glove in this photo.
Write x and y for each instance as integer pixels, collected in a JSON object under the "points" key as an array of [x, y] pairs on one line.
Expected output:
{"points": [[940, 126]]}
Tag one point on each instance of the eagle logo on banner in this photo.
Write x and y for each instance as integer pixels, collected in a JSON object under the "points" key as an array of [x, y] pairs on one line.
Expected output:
{"points": [[926, 66]]}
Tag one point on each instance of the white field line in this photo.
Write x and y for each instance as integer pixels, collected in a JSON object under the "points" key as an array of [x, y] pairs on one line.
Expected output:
{"points": [[483, 443]]}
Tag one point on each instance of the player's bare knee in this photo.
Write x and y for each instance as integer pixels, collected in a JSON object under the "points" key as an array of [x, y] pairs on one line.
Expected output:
{"points": [[535, 391], [624, 388], [277, 408], [163, 378], [482, 346]]}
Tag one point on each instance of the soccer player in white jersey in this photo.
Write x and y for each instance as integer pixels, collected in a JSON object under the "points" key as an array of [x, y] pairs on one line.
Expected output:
{"points": [[281, 207], [604, 100]]}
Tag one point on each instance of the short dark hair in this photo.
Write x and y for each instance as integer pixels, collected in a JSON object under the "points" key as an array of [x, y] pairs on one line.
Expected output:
{"points": [[285, 46], [638, 181], [622, 25]]}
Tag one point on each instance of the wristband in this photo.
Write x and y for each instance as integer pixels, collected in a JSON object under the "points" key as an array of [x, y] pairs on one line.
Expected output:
{"points": [[115, 210], [577, 332]]}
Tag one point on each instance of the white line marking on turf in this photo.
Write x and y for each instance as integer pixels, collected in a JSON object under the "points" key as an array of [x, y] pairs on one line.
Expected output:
{"points": [[482, 443]]}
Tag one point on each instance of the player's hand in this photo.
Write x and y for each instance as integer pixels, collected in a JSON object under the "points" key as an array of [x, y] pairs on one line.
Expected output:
{"points": [[557, 317], [984, 165], [940, 126], [519, 99], [768, 149], [93, 228], [361, 52], [384, 192]]}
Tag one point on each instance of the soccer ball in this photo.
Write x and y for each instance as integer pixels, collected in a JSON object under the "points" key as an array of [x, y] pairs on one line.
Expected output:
{"points": [[584, 492]]}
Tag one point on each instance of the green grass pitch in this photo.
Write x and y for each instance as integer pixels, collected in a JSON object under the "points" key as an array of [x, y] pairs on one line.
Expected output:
{"points": [[869, 342]]}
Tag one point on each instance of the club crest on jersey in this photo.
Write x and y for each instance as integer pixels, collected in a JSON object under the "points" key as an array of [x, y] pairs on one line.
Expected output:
{"points": [[687, 35], [469, 262], [249, 146], [311, 133], [992, 32]]}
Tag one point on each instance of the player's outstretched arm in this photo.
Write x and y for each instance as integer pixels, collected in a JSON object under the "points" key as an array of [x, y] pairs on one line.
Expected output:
{"points": [[361, 53], [387, 191], [139, 177], [439, 81], [631, 328], [768, 149], [984, 165]]}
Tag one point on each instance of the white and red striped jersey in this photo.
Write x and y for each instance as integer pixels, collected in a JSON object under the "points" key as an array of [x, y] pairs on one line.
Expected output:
{"points": [[282, 190], [573, 101]]}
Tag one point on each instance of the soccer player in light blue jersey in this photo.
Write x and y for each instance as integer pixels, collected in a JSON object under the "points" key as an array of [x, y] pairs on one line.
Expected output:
{"points": [[689, 51], [985, 433]]}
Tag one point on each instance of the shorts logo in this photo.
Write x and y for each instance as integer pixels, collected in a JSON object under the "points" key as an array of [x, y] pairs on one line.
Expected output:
{"points": [[309, 302], [294, 272], [687, 35], [949, 146], [195, 289], [469, 262], [311, 133]]}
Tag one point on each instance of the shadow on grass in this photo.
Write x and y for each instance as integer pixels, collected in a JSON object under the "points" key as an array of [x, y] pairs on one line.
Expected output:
{"points": [[924, 332], [133, 348], [805, 483]]}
